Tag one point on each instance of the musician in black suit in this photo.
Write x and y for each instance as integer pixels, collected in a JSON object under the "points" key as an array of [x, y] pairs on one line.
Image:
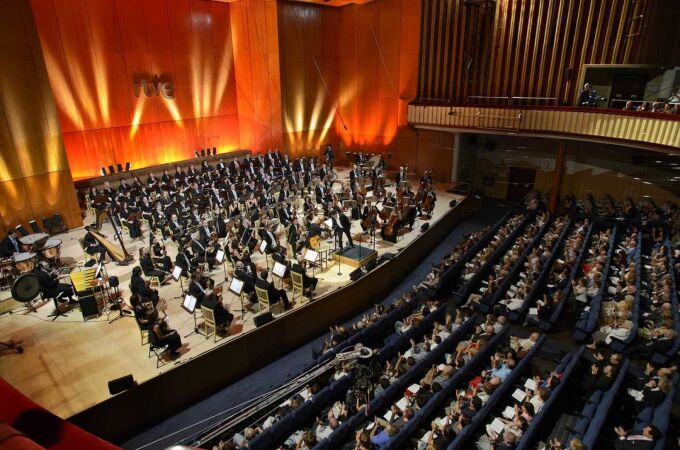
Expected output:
{"points": [[93, 247], [148, 266], [184, 260], [223, 317], [197, 288], [330, 155], [342, 225], [139, 286], [275, 295], [50, 285], [10, 244], [268, 236], [401, 176], [294, 237], [244, 273], [308, 282]]}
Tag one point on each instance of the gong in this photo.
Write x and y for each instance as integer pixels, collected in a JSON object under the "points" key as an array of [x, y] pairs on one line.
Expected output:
{"points": [[26, 287]]}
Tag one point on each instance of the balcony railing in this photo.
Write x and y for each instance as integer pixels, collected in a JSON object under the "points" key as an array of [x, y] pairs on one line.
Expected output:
{"points": [[655, 129]]}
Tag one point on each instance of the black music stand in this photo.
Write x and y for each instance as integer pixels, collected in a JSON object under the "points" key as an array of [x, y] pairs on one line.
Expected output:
{"points": [[177, 276], [236, 288], [189, 305]]}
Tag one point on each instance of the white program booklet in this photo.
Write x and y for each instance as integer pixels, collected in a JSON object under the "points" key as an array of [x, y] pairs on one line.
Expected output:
{"points": [[497, 426], [509, 412], [530, 384], [519, 395]]}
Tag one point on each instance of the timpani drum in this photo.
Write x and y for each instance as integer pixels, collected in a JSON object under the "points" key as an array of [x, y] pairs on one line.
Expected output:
{"points": [[24, 262], [51, 252]]}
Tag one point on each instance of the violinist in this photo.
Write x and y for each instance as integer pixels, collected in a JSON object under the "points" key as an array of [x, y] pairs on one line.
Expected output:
{"points": [[245, 274], [184, 259], [163, 335], [160, 256], [144, 311], [139, 286], [221, 225], [308, 282]]}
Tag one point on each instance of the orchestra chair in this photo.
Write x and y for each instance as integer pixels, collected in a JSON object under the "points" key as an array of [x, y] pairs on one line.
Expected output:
{"points": [[58, 224], [154, 281], [156, 348], [298, 284], [47, 224], [88, 205], [263, 302], [21, 230], [125, 227], [34, 226], [209, 323], [81, 241], [144, 334]]}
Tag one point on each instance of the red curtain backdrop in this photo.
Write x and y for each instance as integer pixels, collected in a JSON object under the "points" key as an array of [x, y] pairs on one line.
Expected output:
{"points": [[96, 49]]}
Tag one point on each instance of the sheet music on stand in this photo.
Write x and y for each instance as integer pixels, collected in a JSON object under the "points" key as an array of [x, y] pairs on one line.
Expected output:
{"points": [[311, 256], [189, 304], [236, 286], [279, 269], [176, 273], [219, 256], [329, 223], [263, 246]]}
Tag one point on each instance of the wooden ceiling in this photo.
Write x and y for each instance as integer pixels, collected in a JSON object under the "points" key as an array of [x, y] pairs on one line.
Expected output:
{"points": [[336, 3]]}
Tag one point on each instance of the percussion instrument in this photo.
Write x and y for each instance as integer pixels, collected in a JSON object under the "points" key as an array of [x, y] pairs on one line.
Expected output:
{"points": [[24, 262], [7, 273], [26, 287], [33, 238], [51, 252]]}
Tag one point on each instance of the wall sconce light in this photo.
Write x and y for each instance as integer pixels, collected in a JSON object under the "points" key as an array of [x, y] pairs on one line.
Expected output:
{"points": [[196, 153], [103, 171]]}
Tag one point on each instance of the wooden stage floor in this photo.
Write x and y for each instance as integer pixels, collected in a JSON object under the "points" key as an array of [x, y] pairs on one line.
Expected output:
{"points": [[67, 363]]}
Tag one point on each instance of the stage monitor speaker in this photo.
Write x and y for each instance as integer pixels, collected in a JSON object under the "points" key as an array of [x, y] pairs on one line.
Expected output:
{"points": [[425, 227], [453, 203], [121, 384], [370, 265], [356, 274], [263, 319]]}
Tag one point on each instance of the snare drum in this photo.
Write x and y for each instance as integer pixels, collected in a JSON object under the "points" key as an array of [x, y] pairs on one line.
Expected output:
{"points": [[51, 252], [24, 262]]}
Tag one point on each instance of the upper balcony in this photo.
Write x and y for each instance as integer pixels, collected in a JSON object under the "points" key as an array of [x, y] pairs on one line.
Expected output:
{"points": [[659, 131]]}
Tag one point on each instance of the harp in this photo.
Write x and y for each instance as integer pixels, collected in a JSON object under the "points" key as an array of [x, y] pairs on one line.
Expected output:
{"points": [[119, 254]]}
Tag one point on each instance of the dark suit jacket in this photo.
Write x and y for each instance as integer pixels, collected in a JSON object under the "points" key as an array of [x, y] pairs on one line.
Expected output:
{"points": [[7, 247], [196, 291], [138, 286]]}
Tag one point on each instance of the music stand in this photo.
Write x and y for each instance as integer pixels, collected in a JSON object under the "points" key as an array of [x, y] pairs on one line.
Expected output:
{"points": [[311, 256], [189, 305], [236, 288], [263, 250], [219, 257], [280, 271], [177, 276]]}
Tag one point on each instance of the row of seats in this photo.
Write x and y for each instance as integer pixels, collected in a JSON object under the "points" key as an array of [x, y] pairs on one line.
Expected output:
{"points": [[662, 358], [595, 411], [542, 278], [660, 416], [617, 344], [588, 321], [386, 397], [464, 291], [372, 334], [453, 272], [505, 388], [545, 325], [514, 277], [564, 369]]}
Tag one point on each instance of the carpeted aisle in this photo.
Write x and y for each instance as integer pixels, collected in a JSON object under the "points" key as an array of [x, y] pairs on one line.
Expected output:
{"points": [[216, 407]]}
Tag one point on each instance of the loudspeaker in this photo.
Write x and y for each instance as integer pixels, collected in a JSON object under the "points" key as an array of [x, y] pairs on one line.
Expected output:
{"points": [[388, 256], [370, 265], [263, 319], [453, 203], [425, 227], [121, 384], [356, 274], [113, 281]]}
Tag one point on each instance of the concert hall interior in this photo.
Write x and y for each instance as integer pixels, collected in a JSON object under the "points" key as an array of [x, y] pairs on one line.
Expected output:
{"points": [[339, 224]]}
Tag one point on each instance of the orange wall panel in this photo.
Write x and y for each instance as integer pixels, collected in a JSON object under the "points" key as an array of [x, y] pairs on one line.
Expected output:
{"points": [[96, 49]]}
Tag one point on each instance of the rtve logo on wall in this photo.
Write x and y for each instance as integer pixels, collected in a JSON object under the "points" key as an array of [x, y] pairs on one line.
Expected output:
{"points": [[157, 86]]}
